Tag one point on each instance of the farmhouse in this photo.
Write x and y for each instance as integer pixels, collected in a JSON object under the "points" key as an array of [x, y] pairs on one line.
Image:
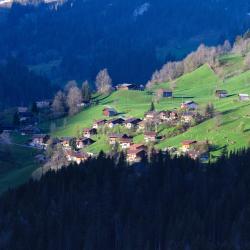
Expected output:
{"points": [[150, 137], [97, 124], [138, 146], [221, 93], [77, 157], [88, 132], [151, 115], [125, 143], [187, 145], [114, 122], [191, 105], [165, 115], [188, 117], [135, 155], [126, 86], [109, 112], [43, 104], [114, 138], [198, 155], [132, 123], [22, 109], [165, 93], [83, 142], [65, 141], [244, 97], [40, 141], [141, 125]]}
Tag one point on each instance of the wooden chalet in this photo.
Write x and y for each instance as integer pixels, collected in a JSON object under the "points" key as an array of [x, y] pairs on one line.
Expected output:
{"points": [[83, 142], [114, 122], [165, 93], [187, 145], [150, 137], [114, 138], [190, 105], [40, 141], [244, 97], [125, 143], [165, 115], [132, 123], [141, 125], [109, 112], [99, 123], [138, 146], [188, 117], [126, 86], [135, 155], [221, 93], [88, 132], [76, 156], [45, 104], [65, 141], [151, 115]]}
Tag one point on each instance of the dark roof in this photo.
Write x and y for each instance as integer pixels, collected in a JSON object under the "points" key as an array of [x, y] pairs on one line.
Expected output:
{"points": [[133, 120]]}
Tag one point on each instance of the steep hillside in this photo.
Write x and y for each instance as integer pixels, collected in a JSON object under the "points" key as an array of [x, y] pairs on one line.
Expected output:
{"points": [[75, 40], [230, 128]]}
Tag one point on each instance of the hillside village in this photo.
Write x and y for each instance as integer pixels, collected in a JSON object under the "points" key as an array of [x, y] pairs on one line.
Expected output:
{"points": [[189, 115], [120, 131]]}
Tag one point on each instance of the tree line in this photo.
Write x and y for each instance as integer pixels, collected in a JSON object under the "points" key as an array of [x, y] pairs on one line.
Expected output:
{"points": [[204, 54], [161, 203], [70, 99], [20, 86]]}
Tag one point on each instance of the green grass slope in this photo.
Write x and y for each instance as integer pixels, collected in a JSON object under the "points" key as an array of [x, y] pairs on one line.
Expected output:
{"points": [[231, 129]]}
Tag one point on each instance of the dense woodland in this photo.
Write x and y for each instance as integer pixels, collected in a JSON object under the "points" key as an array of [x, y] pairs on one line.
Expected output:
{"points": [[77, 39], [20, 86], [104, 204]]}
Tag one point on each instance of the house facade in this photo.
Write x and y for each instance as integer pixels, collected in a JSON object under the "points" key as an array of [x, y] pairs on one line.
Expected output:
{"points": [[244, 97], [109, 112]]}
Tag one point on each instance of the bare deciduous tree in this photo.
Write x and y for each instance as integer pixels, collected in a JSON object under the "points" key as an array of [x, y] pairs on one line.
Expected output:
{"points": [[103, 82], [59, 103], [70, 85], [74, 99]]}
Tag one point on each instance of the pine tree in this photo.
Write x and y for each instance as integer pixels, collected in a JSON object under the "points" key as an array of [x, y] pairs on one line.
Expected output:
{"points": [[152, 107], [34, 108], [16, 119]]}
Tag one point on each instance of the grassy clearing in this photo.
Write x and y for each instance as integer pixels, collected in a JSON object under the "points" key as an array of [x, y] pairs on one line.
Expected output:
{"points": [[16, 165]]}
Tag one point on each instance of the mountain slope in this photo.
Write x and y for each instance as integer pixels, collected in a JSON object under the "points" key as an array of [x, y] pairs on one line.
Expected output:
{"points": [[230, 129], [130, 38]]}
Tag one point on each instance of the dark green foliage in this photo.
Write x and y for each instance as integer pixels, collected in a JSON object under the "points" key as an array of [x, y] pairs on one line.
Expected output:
{"points": [[165, 204], [20, 86], [101, 34], [152, 107], [16, 119], [34, 108], [72, 143]]}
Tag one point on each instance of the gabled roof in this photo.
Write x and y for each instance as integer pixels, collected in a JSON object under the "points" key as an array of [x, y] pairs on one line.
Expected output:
{"points": [[109, 109], [118, 136], [135, 151], [133, 120], [189, 142], [153, 134]]}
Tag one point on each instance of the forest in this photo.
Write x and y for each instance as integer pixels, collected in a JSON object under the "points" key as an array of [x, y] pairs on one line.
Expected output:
{"points": [[78, 38], [20, 86], [161, 203]]}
